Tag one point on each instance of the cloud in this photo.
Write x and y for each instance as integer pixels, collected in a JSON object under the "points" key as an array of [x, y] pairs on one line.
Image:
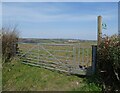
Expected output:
{"points": [[31, 14]]}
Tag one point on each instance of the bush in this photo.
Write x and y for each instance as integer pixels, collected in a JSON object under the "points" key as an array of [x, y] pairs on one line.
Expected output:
{"points": [[108, 59], [9, 43]]}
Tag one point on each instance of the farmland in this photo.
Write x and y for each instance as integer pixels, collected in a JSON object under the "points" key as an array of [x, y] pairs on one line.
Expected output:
{"points": [[20, 77]]}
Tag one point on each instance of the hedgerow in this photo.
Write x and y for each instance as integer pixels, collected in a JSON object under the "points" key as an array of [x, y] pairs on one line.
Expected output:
{"points": [[9, 43], [108, 62]]}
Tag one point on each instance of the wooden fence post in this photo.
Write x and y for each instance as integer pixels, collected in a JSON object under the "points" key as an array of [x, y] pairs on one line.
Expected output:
{"points": [[99, 29], [94, 58]]}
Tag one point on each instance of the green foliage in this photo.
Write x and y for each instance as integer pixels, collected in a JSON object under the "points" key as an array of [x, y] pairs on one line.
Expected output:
{"points": [[109, 61]]}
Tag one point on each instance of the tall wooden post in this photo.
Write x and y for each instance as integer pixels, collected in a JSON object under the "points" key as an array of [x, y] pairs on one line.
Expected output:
{"points": [[99, 29]]}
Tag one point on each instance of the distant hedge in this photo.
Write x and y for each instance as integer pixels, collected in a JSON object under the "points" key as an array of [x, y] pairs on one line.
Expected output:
{"points": [[108, 58], [9, 43]]}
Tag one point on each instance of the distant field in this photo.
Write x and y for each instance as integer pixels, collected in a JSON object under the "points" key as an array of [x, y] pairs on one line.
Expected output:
{"points": [[33, 40]]}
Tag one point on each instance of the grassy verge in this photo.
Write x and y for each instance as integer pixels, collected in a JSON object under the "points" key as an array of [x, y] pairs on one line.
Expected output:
{"points": [[20, 77]]}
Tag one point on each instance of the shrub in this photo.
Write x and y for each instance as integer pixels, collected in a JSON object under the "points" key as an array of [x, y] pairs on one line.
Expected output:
{"points": [[9, 43], [108, 59]]}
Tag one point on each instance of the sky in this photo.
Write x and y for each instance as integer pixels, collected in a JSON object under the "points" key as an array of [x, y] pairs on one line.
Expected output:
{"points": [[68, 20], [0, 15], [119, 18], [59, 0]]}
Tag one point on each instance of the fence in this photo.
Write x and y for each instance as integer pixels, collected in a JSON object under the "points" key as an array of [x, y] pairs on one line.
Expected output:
{"points": [[70, 58]]}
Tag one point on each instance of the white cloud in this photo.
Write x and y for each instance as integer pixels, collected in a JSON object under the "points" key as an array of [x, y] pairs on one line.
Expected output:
{"points": [[24, 14]]}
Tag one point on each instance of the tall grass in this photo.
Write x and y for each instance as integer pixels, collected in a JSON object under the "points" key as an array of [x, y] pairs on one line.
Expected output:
{"points": [[9, 43]]}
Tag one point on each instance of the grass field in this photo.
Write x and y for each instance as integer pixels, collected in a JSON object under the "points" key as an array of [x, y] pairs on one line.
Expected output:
{"points": [[21, 77]]}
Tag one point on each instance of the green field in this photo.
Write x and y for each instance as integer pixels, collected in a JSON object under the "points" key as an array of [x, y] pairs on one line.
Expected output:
{"points": [[20, 77]]}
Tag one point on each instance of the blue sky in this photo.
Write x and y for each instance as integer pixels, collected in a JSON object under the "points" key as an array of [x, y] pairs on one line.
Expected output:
{"points": [[59, 0], [76, 20]]}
